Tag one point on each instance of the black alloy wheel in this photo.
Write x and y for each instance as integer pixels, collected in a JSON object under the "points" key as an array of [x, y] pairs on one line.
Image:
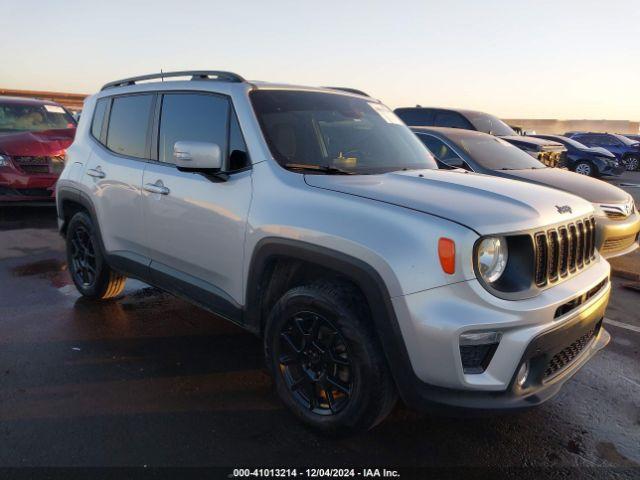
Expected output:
{"points": [[83, 257], [88, 268], [631, 163], [313, 358]]}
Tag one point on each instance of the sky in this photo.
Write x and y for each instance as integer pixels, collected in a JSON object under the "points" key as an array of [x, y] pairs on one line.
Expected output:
{"points": [[566, 59]]}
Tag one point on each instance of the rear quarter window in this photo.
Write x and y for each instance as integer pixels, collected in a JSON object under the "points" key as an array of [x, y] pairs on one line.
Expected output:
{"points": [[98, 118], [129, 125]]}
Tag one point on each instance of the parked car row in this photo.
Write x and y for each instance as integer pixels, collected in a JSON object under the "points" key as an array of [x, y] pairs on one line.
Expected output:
{"points": [[617, 221], [589, 161], [318, 220], [550, 153], [625, 148]]}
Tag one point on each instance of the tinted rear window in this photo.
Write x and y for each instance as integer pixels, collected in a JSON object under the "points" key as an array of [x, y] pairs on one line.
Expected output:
{"points": [[452, 120], [415, 117], [128, 125]]}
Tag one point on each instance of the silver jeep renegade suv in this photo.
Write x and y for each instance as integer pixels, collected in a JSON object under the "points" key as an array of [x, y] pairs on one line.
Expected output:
{"points": [[314, 218]]}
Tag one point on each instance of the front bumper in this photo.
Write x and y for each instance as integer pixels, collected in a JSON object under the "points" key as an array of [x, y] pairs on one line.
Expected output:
{"points": [[432, 321], [16, 186], [606, 169], [617, 237]]}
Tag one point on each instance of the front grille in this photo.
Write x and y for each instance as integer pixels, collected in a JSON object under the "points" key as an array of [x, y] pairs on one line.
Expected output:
{"points": [[35, 168], [40, 164], [618, 243], [564, 250], [27, 192], [576, 302], [563, 358]]}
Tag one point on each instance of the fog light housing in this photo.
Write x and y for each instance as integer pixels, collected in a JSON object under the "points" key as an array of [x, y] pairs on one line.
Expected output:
{"points": [[523, 374], [477, 350]]}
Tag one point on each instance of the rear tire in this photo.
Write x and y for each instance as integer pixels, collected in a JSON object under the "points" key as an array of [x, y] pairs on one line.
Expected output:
{"points": [[88, 268], [328, 366], [585, 168]]}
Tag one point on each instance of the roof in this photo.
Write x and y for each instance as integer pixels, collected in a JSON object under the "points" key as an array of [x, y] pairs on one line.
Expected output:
{"points": [[455, 133], [165, 80], [463, 111]]}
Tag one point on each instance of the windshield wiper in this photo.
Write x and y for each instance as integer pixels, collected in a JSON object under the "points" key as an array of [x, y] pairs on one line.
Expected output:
{"points": [[329, 170]]}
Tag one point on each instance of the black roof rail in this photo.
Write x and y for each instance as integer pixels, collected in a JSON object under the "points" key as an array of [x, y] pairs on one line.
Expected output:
{"points": [[350, 90], [194, 74]]}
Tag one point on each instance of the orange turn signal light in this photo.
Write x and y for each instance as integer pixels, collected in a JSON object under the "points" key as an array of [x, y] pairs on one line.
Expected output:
{"points": [[447, 254]]}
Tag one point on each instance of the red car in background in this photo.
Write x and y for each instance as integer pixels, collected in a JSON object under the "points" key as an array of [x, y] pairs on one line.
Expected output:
{"points": [[34, 135]]}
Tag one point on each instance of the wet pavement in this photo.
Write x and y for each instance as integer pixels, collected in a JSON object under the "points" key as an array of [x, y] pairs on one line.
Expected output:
{"points": [[149, 379]]}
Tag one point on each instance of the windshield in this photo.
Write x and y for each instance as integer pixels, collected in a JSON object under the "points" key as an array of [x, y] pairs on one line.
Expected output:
{"points": [[337, 131], [565, 140], [489, 124], [23, 117], [496, 154], [625, 140]]}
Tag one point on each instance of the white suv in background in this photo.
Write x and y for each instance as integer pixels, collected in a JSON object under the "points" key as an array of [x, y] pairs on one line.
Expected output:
{"points": [[316, 219]]}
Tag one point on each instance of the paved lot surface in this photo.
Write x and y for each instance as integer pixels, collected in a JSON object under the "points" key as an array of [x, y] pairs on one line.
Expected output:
{"points": [[151, 380]]}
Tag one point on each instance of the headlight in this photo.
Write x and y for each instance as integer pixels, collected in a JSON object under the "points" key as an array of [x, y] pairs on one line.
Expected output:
{"points": [[492, 258], [4, 161]]}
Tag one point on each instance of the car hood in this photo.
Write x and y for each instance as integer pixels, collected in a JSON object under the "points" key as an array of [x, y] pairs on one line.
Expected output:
{"points": [[590, 189], [600, 151], [36, 144], [483, 203], [539, 143]]}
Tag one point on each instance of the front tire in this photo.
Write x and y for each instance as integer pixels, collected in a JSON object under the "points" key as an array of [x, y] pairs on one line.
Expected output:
{"points": [[88, 268], [585, 168], [631, 163], [328, 366]]}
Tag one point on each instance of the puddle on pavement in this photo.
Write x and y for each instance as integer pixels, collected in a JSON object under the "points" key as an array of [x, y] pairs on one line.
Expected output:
{"points": [[608, 451], [50, 269], [146, 297]]}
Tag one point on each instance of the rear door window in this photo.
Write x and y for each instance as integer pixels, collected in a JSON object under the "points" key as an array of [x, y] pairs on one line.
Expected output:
{"points": [[129, 125], [192, 117]]}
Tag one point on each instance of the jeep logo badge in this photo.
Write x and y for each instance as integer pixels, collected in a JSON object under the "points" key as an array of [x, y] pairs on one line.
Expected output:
{"points": [[564, 209]]}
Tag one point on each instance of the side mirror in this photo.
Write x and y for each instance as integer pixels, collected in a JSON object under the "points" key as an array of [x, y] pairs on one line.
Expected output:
{"points": [[197, 155]]}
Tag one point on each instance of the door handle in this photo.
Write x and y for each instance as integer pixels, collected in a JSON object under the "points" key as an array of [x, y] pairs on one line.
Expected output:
{"points": [[96, 172], [157, 187]]}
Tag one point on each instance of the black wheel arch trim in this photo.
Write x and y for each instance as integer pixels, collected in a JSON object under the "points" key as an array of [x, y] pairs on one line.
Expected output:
{"points": [[364, 276]]}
